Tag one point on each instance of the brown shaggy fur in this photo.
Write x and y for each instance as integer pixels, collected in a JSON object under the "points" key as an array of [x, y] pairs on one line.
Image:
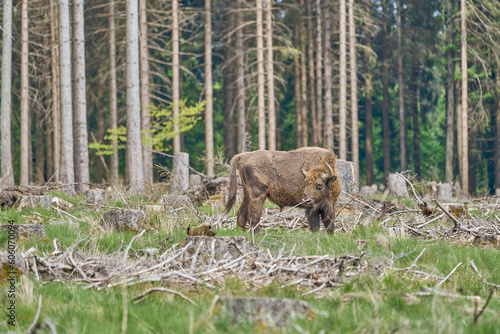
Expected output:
{"points": [[277, 175]]}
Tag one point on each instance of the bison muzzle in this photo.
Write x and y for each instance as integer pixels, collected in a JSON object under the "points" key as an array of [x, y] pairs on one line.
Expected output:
{"points": [[305, 177]]}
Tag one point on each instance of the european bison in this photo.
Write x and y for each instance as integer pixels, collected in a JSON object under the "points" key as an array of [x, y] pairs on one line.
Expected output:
{"points": [[304, 177]]}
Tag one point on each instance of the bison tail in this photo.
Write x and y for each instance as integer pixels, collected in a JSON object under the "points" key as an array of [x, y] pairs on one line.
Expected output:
{"points": [[233, 185]]}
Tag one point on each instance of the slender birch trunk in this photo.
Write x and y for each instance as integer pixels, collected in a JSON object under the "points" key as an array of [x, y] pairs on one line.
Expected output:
{"points": [[270, 77], [319, 76], [240, 81], [7, 172], [81, 158], [465, 136], [303, 87], [354, 87], [328, 81], [147, 158], [450, 94], [342, 83], [260, 79], [312, 75], [113, 120], [403, 159], [175, 75], [56, 92], [297, 92], [134, 168], [209, 124], [25, 129]]}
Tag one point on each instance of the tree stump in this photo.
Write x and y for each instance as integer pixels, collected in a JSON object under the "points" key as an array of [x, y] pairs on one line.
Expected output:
{"points": [[95, 196], [444, 192], [180, 171], [261, 311], [349, 177], [33, 201], [397, 186], [195, 180], [25, 231], [123, 220], [368, 190]]}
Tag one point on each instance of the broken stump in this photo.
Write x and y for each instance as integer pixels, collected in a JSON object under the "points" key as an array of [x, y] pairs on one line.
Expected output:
{"points": [[349, 176], [95, 196], [123, 220], [180, 171], [25, 231], [444, 192], [33, 201], [397, 186], [261, 311]]}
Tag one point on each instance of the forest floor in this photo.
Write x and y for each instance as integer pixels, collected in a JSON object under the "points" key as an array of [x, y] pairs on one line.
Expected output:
{"points": [[388, 268]]}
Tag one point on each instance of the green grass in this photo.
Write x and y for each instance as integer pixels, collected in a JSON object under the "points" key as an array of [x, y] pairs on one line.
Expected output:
{"points": [[372, 300]]}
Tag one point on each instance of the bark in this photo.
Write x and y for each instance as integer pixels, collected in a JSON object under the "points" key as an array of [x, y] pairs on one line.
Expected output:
{"points": [[319, 76], [270, 77], [343, 85], [25, 129], [49, 165], [147, 159], [354, 87], [175, 75], [209, 126], [7, 171], [297, 92], [450, 96], [497, 135], [312, 76], [385, 101], [402, 113], [81, 152], [39, 154], [465, 137], [472, 154], [328, 81], [303, 87], [67, 171], [260, 80], [369, 130], [229, 119], [101, 107], [134, 168], [240, 81], [113, 177], [416, 131], [56, 97]]}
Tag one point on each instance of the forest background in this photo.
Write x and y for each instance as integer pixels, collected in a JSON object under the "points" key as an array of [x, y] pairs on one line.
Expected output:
{"points": [[391, 85]]}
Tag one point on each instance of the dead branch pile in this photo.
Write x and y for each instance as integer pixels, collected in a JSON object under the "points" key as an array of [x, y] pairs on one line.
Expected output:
{"points": [[183, 266]]}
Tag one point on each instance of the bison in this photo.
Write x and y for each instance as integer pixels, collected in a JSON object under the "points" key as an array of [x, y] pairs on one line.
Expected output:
{"points": [[305, 177]]}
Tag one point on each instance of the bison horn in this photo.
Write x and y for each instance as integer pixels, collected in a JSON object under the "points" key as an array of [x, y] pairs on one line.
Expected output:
{"points": [[303, 170], [328, 176]]}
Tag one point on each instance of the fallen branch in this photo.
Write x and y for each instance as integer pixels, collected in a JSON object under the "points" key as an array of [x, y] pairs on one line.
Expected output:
{"points": [[130, 244], [451, 273], [142, 295], [476, 314], [455, 221]]}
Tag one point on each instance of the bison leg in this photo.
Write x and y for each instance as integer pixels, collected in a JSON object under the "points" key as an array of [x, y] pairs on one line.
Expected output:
{"points": [[243, 213], [327, 221], [255, 209], [313, 219]]}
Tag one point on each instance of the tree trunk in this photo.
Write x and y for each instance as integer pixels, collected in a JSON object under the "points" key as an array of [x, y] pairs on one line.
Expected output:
{"points": [[147, 159], [134, 168], [229, 119], [450, 95], [472, 154], [343, 84], [465, 137], [67, 172], [458, 115], [303, 87], [369, 130], [39, 154], [328, 81], [270, 77], [319, 77], [81, 157], [25, 130], [416, 131], [113, 120], [401, 85], [56, 97], [354, 87], [101, 107], [240, 81], [385, 99], [209, 123], [7, 172], [175, 75], [260, 80], [49, 165], [497, 134], [312, 76], [297, 92]]}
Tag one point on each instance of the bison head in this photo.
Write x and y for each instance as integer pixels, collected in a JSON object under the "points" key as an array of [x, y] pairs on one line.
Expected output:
{"points": [[317, 184]]}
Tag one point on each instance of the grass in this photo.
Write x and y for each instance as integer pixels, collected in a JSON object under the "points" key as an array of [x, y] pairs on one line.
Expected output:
{"points": [[373, 301]]}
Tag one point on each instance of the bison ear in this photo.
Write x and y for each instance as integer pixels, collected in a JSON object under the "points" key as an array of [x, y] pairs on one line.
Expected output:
{"points": [[331, 180]]}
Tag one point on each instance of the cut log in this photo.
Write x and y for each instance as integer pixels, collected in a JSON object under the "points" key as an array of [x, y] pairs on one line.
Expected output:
{"points": [[29, 232], [261, 311], [24, 202], [95, 196], [123, 220], [180, 171], [397, 186], [444, 192]]}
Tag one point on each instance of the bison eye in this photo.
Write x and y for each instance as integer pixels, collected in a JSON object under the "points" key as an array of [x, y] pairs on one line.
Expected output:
{"points": [[319, 186]]}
